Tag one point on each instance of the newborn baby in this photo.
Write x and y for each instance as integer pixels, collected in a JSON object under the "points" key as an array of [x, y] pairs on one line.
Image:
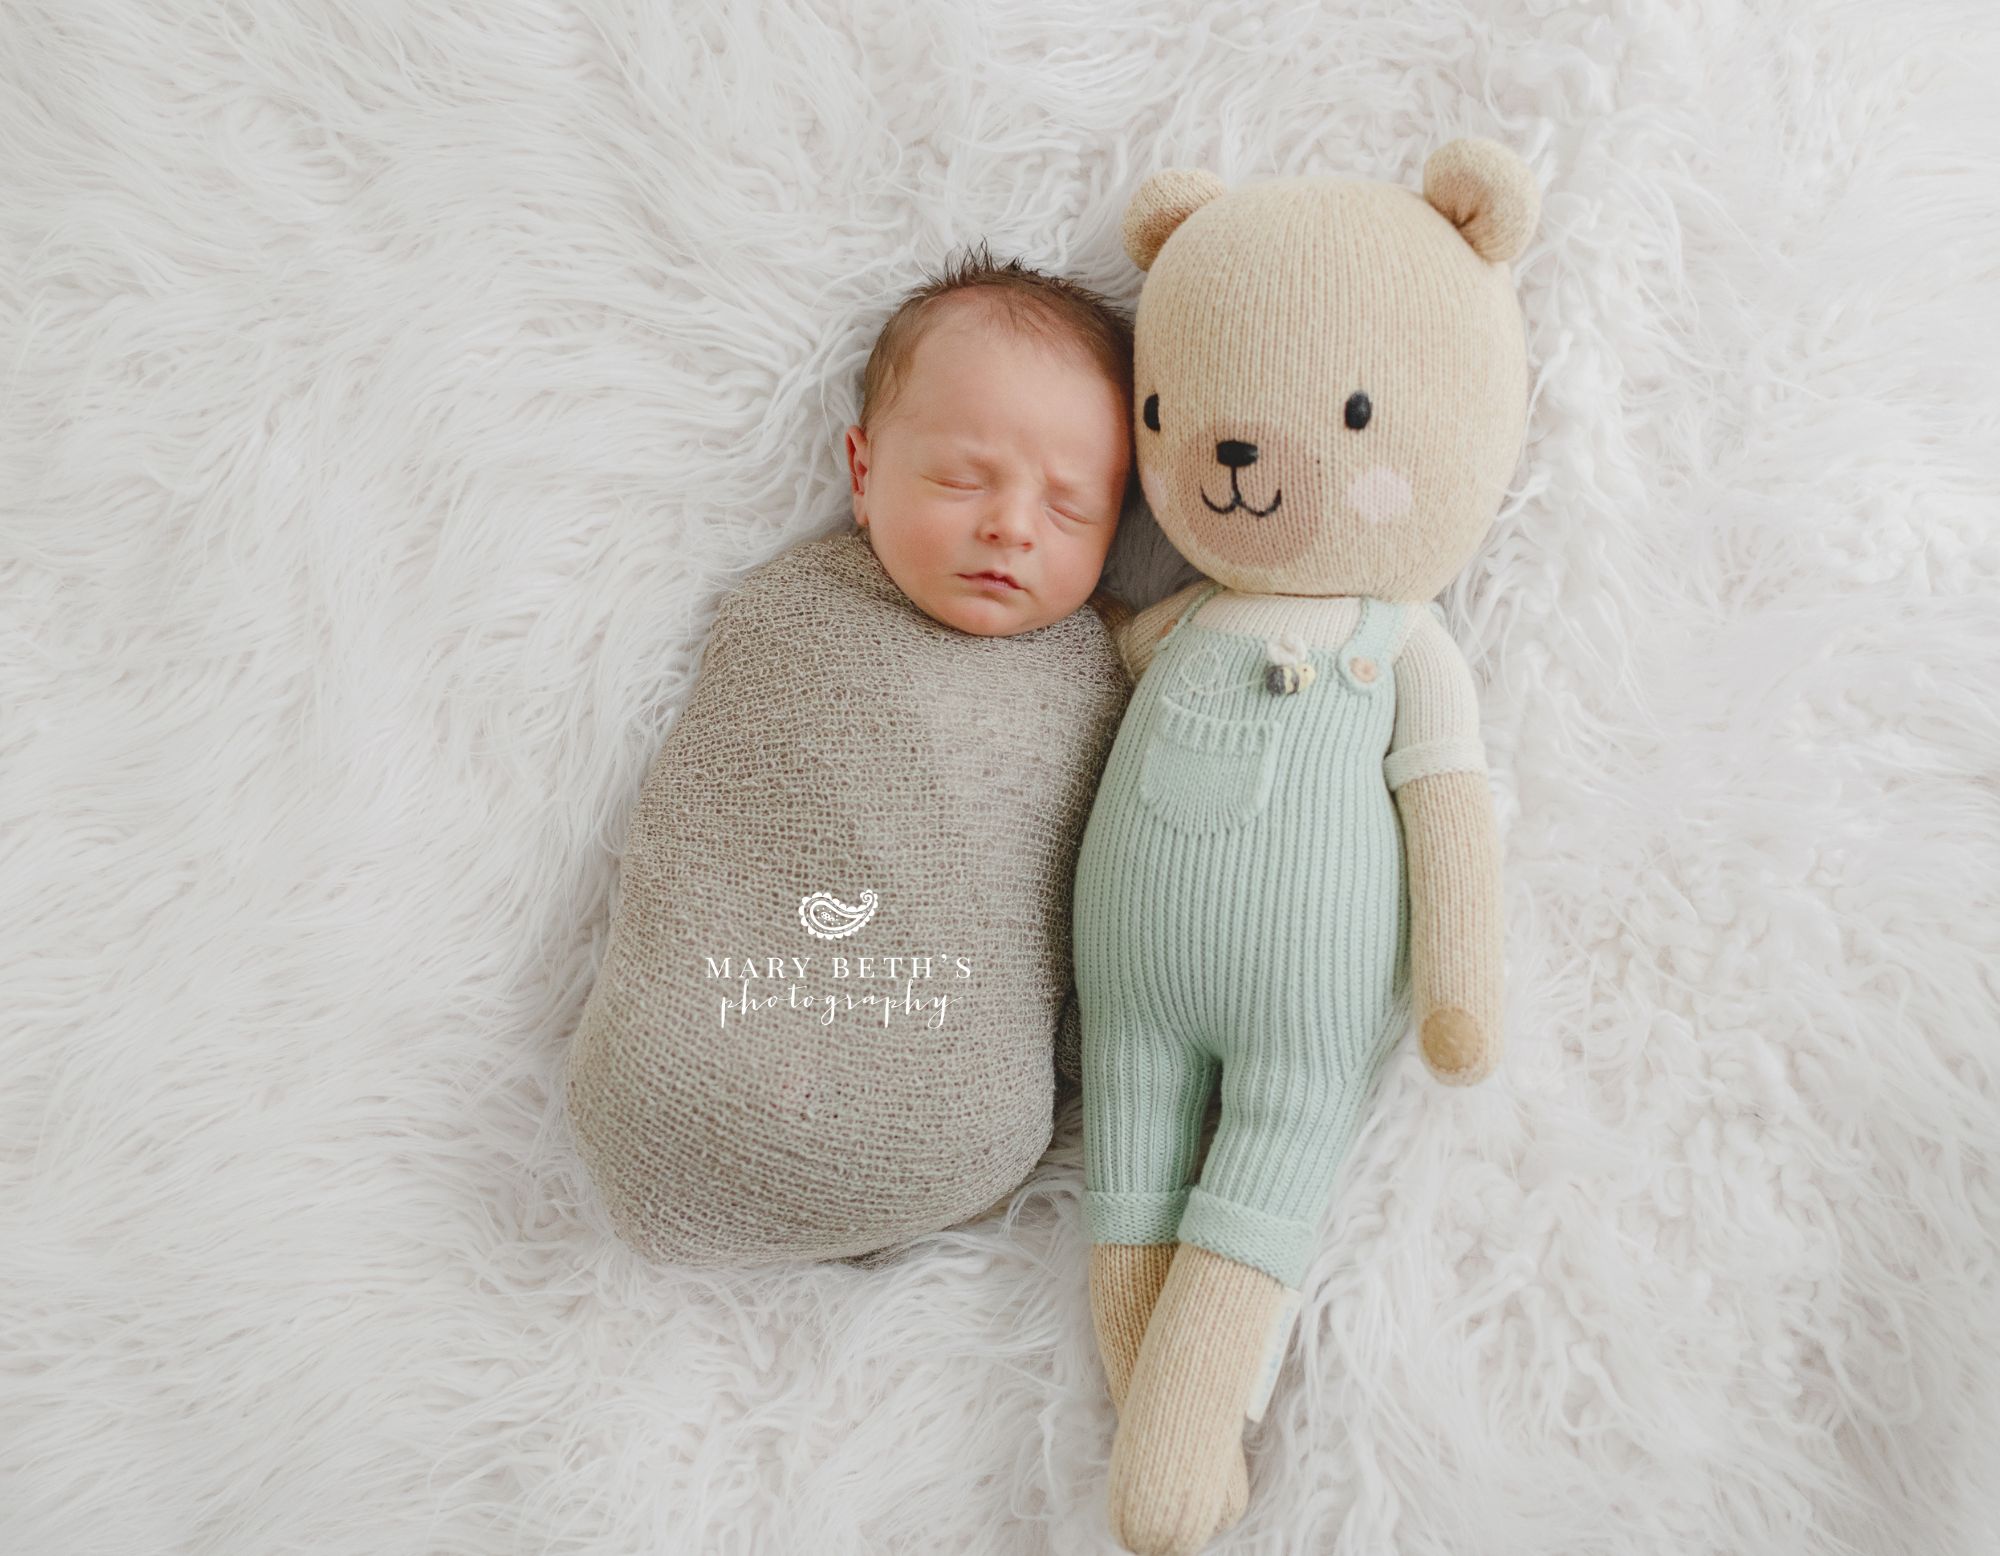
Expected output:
{"points": [[825, 1018]]}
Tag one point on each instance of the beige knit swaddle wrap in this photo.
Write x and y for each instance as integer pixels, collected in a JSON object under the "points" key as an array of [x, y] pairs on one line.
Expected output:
{"points": [[849, 778]]}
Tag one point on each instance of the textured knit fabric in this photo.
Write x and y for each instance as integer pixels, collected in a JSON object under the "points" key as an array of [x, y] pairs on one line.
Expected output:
{"points": [[1177, 1474], [844, 762], [1331, 374], [1437, 705], [1242, 910], [1125, 1282]]}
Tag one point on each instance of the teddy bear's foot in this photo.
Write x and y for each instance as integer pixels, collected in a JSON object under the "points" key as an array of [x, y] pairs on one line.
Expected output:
{"points": [[1134, 1533], [1235, 1490], [1182, 1523], [1178, 1475], [1170, 1498]]}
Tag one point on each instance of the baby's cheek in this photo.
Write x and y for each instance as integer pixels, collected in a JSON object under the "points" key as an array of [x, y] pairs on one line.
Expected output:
{"points": [[1379, 495]]}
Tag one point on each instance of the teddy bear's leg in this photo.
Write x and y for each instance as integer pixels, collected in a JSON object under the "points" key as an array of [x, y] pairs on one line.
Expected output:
{"points": [[1125, 1281], [1145, 1093], [1177, 1468], [1289, 1113]]}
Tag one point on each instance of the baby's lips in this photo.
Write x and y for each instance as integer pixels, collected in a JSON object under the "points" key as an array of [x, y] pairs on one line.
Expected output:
{"points": [[982, 576]]}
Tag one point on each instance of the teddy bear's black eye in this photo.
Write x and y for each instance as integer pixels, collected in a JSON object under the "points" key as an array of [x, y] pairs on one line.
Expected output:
{"points": [[1358, 410], [1153, 412]]}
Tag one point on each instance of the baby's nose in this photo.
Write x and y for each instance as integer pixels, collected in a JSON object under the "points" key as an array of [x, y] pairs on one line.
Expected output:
{"points": [[1236, 455]]}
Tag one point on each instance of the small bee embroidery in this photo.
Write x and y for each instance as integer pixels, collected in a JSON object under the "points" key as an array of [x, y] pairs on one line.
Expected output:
{"points": [[1289, 670]]}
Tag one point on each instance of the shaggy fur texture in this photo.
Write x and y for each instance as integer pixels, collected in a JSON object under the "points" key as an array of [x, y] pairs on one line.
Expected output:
{"points": [[391, 393]]}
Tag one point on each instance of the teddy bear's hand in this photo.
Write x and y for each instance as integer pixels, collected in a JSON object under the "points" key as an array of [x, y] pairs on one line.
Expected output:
{"points": [[1456, 1049]]}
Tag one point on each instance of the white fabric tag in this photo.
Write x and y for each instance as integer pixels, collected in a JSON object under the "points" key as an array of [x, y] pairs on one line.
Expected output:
{"points": [[1275, 1343]]}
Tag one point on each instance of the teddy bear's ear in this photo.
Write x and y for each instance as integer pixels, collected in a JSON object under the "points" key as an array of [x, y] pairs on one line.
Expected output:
{"points": [[1165, 200], [1487, 193]]}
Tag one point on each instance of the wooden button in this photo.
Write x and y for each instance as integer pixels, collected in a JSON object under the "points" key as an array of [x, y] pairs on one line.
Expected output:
{"points": [[1364, 669]]}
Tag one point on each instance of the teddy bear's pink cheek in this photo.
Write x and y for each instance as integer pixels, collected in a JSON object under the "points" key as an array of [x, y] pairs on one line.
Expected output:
{"points": [[1379, 495]]}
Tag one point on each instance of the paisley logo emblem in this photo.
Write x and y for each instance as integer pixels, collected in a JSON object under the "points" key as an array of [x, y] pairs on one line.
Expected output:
{"points": [[828, 918]]}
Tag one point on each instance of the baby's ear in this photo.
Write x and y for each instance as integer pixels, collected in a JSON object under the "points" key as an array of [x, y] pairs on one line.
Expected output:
{"points": [[1487, 193], [1165, 200]]}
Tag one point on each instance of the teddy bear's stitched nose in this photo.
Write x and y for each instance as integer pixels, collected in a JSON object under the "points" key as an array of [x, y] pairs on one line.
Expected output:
{"points": [[1236, 455]]}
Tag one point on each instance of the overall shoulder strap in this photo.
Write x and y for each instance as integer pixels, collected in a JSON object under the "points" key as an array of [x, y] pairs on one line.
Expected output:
{"points": [[1194, 605], [1364, 660]]}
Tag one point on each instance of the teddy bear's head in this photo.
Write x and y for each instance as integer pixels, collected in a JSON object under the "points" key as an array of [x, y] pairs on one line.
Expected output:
{"points": [[1331, 375]]}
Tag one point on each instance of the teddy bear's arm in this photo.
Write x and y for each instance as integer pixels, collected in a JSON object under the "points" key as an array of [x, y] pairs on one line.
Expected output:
{"points": [[1455, 940], [1141, 636], [1436, 769]]}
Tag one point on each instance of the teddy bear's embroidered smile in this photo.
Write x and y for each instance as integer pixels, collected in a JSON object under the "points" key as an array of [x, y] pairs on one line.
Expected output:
{"points": [[1236, 455]]}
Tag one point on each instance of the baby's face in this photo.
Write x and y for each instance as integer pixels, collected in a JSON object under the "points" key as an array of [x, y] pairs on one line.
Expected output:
{"points": [[1000, 454]]}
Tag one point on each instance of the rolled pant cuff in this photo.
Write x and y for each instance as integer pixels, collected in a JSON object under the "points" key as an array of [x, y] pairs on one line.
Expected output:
{"points": [[1133, 1218], [1280, 1248]]}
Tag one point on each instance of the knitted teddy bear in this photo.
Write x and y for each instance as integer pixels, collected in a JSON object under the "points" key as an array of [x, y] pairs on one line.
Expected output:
{"points": [[1292, 853]]}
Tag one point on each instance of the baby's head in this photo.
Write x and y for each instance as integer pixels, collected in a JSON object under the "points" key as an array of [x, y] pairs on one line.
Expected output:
{"points": [[995, 437]]}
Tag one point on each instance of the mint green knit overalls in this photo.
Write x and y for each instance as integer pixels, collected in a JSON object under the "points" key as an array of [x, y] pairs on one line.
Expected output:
{"points": [[1240, 905]]}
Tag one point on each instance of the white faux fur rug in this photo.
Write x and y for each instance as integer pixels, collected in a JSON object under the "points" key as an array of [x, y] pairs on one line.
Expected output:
{"points": [[390, 394]]}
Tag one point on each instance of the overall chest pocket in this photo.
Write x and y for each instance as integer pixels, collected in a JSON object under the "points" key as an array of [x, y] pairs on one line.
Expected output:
{"points": [[1201, 773]]}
